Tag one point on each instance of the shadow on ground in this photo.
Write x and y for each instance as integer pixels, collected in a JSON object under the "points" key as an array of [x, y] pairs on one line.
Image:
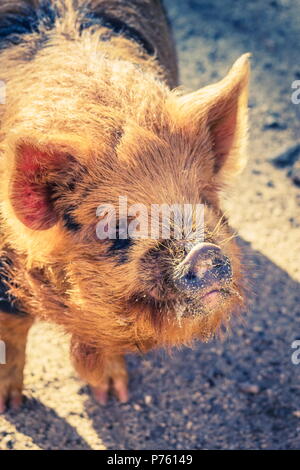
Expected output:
{"points": [[239, 394], [43, 425], [242, 393]]}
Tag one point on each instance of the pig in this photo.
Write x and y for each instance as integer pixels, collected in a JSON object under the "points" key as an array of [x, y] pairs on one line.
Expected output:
{"points": [[93, 113]]}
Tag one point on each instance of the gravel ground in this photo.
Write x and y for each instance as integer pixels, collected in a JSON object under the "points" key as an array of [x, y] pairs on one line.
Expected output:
{"points": [[243, 393]]}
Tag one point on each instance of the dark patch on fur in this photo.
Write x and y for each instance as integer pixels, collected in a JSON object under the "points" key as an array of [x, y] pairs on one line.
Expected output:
{"points": [[120, 248], [27, 20], [117, 27], [119, 244], [8, 303], [69, 220]]}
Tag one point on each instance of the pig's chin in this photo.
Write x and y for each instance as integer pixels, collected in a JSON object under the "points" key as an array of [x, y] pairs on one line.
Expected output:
{"points": [[202, 304], [187, 306]]}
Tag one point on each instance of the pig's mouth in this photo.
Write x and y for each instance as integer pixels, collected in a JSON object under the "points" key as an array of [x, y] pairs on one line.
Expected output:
{"points": [[213, 296], [185, 306], [204, 303]]}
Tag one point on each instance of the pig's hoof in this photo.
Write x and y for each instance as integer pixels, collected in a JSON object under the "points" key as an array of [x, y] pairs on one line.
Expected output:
{"points": [[117, 386], [10, 398]]}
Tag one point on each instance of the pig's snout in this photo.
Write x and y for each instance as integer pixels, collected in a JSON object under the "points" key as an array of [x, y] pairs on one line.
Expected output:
{"points": [[204, 267]]}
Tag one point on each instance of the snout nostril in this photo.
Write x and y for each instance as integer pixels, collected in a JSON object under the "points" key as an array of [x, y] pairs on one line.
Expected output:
{"points": [[191, 276], [219, 262], [222, 268]]}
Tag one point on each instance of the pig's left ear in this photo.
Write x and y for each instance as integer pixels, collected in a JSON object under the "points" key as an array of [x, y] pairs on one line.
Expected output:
{"points": [[219, 113]]}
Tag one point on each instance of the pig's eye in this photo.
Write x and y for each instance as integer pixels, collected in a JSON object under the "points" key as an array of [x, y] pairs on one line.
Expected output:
{"points": [[121, 244], [119, 249]]}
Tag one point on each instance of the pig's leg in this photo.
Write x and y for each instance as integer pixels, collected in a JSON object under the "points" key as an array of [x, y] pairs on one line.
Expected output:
{"points": [[104, 372], [114, 378], [13, 336]]}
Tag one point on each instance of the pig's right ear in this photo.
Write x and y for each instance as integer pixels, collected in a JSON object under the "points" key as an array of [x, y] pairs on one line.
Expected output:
{"points": [[32, 180], [217, 115]]}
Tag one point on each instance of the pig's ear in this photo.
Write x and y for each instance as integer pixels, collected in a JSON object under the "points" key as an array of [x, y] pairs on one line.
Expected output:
{"points": [[220, 112], [33, 178]]}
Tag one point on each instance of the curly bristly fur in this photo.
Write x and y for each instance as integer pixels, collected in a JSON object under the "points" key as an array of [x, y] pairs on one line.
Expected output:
{"points": [[90, 115]]}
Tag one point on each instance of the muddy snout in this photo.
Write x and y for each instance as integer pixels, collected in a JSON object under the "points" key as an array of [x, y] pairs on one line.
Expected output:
{"points": [[204, 267]]}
